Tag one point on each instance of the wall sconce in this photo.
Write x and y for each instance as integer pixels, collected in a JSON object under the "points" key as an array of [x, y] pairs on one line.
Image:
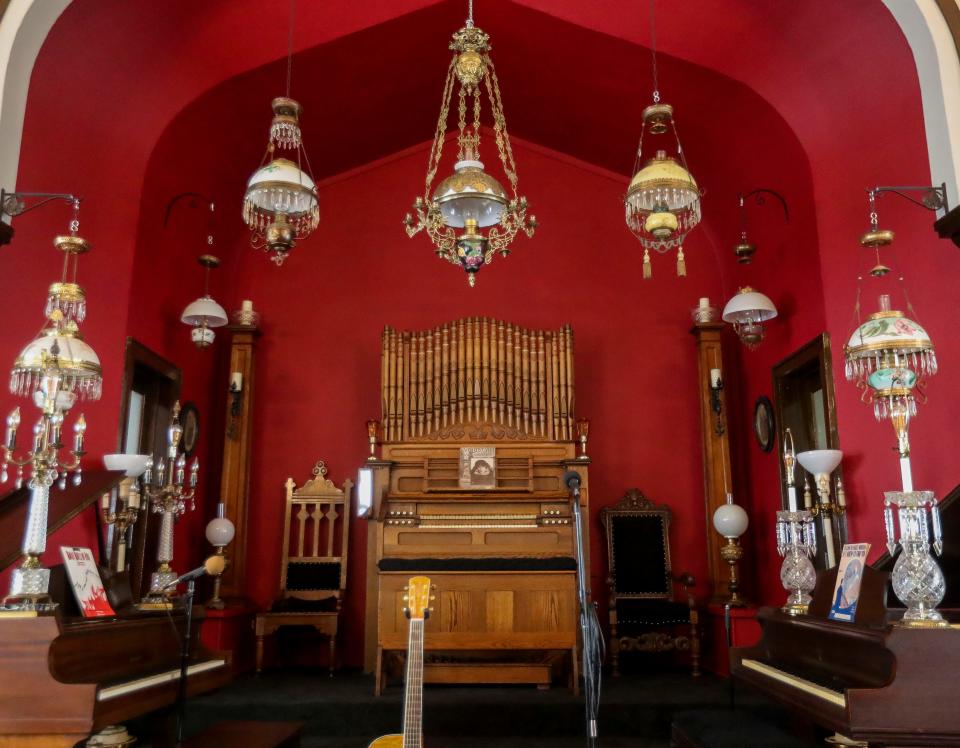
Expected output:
{"points": [[716, 404], [236, 401], [821, 463], [15, 204], [744, 249]]}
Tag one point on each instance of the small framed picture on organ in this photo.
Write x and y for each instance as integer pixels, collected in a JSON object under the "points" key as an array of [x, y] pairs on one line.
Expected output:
{"points": [[85, 580], [478, 467]]}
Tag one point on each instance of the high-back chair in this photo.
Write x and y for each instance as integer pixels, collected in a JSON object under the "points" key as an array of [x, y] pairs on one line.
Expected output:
{"points": [[313, 567], [644, 614]]}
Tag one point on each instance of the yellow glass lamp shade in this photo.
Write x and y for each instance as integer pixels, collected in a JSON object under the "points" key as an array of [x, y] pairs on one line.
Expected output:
{"points": [[661, 223]]}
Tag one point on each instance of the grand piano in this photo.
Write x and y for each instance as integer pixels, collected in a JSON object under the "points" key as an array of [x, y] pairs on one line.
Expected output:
{"points": [[64, 676], [870, 680]]}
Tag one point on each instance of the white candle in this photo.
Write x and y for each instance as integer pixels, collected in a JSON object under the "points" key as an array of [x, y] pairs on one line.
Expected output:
{"points": [[828, 537], [792, 498], [704, 302], [906, 475], [246, 305], [715, 378]]}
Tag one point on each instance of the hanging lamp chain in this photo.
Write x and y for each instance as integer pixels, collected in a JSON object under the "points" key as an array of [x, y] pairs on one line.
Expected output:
{"points": [[290, 45], [653, 51]]}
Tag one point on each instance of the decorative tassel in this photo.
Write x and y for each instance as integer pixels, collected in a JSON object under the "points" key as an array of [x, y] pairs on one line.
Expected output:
{"points": [[681, 264], [647, 267]]}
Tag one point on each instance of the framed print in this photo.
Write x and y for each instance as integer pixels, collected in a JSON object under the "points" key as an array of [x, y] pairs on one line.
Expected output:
{"points": [[190, 420], [763, 423], [478, 467]]}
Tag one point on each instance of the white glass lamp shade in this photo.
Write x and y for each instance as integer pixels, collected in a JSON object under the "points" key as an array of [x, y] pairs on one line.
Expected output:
{"points": [[470, 193], [749, 306], [204, 312], [132, 465], [663, 184], [220, 532], [730, 520], [820, 461], [281, 187], [79, 365]]}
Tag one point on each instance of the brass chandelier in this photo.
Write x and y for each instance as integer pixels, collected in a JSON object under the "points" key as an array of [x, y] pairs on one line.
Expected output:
{"points": [[281, 206], [470, 201], [663, 199]]}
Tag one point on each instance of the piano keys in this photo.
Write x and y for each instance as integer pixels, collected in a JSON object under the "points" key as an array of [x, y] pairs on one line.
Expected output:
{"points": [[869, 680]]}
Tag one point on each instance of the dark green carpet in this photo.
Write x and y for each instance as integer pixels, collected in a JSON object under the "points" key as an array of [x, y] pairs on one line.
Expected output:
{"points": [[636, 710]]}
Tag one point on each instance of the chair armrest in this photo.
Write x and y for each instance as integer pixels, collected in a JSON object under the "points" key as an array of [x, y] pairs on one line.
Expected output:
{"points": [[686, 580]]}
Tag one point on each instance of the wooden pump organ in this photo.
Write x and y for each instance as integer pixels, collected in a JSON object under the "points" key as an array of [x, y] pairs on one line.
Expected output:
{"points": [[477, 431]]}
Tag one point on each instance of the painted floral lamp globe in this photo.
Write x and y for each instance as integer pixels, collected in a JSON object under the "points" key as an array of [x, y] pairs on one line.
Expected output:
{"points": [[889, 357]]}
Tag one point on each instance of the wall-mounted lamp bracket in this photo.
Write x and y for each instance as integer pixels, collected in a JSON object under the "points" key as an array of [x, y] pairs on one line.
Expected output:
{"points": [[17, 203], [933, 198]]}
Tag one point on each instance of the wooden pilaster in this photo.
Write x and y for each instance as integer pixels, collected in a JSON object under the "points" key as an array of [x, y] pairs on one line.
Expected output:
{"points": [[716, 448], [237, 445]]}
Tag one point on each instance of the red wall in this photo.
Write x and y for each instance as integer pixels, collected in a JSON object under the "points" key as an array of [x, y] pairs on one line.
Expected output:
{"points": [[318, 363]]}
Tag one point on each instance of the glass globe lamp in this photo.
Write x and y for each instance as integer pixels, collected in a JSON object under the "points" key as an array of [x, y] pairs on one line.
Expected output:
{"points": [[747, 311], [220, 531], [730, 521]]}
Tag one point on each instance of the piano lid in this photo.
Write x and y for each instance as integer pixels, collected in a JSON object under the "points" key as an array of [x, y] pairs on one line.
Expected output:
{"points": [[64, 506]]}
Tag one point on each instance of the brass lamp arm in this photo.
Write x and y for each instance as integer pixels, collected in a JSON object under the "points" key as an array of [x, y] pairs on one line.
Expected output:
{"points": [[934, 198]]}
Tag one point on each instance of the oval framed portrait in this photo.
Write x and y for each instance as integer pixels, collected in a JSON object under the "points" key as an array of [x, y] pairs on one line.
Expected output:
{"points": [[190, 421], [763, 423]]}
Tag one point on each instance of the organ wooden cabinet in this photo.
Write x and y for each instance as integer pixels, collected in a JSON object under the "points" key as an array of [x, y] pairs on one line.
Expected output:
{"points": [[499, 548]]}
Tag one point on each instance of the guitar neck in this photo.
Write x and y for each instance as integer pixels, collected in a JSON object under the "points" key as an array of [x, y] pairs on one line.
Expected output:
{"points": [[413, 698]]}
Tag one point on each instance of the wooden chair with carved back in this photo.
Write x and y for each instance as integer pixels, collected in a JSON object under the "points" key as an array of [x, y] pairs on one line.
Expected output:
{"points": [[644, 614], [313, 568]]}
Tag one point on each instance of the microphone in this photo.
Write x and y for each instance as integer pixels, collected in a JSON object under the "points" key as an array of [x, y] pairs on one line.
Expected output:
{"points": [[571, 479], [212, 566]]}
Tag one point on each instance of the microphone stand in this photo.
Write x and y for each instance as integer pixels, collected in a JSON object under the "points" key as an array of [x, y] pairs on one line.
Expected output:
{"points": [[592, 639], [184, 662]]}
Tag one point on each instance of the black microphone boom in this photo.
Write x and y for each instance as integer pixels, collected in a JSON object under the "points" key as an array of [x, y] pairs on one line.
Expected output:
{"points": [[213, 565]]}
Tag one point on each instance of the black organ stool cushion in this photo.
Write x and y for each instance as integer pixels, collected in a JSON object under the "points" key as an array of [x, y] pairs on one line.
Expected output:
{"points": [[644, 616], [311, 575], [549, 563]]}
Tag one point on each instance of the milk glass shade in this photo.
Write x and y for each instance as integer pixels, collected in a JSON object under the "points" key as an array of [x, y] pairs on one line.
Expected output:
{"points": [[220, 532], [820, 461], [730, 520], [470, 193], [282, 187], [132, 465], [204, 312], [747, 311]]}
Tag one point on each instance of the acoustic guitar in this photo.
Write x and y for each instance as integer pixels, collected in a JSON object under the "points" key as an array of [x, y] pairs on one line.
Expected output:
{"points": [[418, 608]]}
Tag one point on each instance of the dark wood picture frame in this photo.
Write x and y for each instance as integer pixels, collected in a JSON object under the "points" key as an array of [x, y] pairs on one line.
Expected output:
{"points": [[764, 423], [190, 421], [160, 380]]}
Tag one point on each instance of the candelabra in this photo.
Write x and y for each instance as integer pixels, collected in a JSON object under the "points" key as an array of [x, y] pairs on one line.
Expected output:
{"points": [[127, 510], [219, 532], [796, 540], [583, 430], [168, 495], [821, 463], [917, 580], [28, 587]]}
